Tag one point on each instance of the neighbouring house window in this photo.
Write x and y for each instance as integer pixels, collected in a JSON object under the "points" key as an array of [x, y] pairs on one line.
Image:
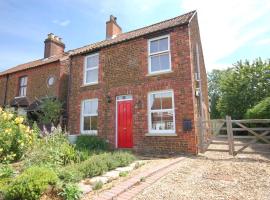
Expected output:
{"points": [[89, 116], [161, 112], [91, 69], [51, 80], [159, 58], [22, 86]]}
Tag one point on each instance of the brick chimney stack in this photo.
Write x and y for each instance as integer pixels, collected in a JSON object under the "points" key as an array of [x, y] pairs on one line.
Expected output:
{"points": [[53, 46], [112, 28]]}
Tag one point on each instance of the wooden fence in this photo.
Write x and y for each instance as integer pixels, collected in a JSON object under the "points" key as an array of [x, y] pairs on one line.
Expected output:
{"points": [[255, 131]]}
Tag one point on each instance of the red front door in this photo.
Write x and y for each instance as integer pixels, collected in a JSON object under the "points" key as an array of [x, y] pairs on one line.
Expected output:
{"points": [[124, 124]]}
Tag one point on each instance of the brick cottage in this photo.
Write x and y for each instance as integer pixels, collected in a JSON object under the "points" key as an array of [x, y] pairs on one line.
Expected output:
{"points": [[144, 89]]}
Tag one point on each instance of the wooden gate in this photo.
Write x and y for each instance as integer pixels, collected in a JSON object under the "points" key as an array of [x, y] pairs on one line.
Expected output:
{"points": [[237, 134]]}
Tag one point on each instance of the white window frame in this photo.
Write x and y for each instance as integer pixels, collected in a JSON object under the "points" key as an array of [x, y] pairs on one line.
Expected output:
{"points": [[89, 132], [149, 112], [159, 53], [23, 86], [86, 69]]}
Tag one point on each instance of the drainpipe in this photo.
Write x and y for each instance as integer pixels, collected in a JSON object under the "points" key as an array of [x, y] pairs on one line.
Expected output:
{"points": [[201, 103], [6, 88]]}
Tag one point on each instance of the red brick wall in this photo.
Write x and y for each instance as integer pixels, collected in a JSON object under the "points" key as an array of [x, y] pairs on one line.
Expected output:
{"points": [[37, 82], [196, 40], [3, 80], [123, 70]]}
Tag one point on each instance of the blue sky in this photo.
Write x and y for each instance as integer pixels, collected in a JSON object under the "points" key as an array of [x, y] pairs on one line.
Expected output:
{"points": [[230, 29]]}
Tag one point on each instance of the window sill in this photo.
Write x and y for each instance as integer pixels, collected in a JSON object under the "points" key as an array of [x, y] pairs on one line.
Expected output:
{"points": [[85, 133], [159, 73], [19, 97], [161, 134], [89, 84]]}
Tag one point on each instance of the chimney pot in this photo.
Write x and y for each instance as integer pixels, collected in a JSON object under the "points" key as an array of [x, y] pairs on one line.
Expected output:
{"points": [[53, 46], [112, 28]]}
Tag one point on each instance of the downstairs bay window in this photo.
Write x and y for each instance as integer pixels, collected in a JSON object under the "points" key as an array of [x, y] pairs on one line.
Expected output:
{"points": [[161, 116], [89, 116]]}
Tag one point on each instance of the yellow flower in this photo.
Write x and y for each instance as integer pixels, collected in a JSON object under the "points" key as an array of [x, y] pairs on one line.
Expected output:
{"points": [[5, 116], [8, 130], [19, 120], [10, 115], [1, 150], [21, 126], [27, 129]]}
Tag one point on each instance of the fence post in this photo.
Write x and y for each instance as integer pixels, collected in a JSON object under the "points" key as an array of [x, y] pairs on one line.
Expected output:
{"points": [[230, 134]]}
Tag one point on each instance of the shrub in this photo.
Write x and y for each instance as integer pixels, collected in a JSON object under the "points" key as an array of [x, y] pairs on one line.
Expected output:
{"points": [[15, 138], [124, 158], [31, 183], [96, 165], [123, 174], [70, 192], [70, 173], [50, 111], [91, 143], [53, 150], [260, 111], [97, 185], [6, 171]]}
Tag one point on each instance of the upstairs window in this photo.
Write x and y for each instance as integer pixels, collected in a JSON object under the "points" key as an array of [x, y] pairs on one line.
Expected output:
{"points": [[91, 69], [22, 86], [159, 58], [89, 116]]}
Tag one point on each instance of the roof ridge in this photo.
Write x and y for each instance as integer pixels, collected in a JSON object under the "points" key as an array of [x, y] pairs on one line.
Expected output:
{"points": [[138, 29], [194, 11]]}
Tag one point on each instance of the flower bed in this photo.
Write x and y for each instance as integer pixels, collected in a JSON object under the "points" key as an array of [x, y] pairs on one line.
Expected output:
{"points": [[49, 163]]}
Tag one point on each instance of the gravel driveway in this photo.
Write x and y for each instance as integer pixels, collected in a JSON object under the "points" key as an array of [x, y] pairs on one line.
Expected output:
{"points": [[217, 176]]}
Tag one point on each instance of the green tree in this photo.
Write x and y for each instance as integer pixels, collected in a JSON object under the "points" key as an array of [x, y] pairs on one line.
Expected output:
{"points": [[50, 111], [260, 111], [214, 91], [243, 86]]}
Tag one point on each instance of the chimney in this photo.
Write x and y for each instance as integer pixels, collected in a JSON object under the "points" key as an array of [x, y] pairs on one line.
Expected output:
{"points": [[112, 28], [53, 46]]}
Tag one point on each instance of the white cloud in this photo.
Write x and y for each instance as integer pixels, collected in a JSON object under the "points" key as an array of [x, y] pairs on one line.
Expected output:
{"points": [[227, 25], [61, 23], [265, 41]]}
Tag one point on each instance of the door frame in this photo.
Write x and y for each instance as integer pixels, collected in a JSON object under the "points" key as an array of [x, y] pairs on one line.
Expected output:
{"points": [[128, 97]]}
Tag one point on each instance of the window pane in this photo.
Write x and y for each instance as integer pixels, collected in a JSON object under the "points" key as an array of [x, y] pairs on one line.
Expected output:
{"points": [[155, 65], [86, 123], [156, 119], [22, 91], [166, 100], [25, 80], [90, 107], [163, 44], [161, 101], [155, 102], [94, 122], [167, 119], [92, 76], [87, 107], [162, 121], [154, 46], [92, 61], [164, 61]]}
